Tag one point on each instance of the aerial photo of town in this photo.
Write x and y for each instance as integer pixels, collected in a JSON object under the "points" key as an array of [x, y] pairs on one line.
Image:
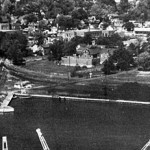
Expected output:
{"points": [[75, 74]]}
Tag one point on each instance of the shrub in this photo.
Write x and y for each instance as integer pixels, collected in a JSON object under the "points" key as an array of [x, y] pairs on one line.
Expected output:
{"points": [[84, 67]]}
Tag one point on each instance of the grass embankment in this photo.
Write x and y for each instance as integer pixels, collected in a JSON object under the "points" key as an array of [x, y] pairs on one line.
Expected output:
{"points": [[50, 68], [128, 85], [38, 71]]}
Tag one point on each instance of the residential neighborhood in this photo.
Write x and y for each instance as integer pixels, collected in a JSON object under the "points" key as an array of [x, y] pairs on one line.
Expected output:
{"points": [[77, 72]]}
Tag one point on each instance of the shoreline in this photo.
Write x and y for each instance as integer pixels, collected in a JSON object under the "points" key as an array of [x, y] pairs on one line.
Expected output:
{"points": [[70, 98]]}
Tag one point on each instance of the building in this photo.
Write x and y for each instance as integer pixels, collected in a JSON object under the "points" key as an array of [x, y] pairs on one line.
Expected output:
{"points": [[67, 35], [88, 56], [4, 26], [84, 60], [142, 30]]}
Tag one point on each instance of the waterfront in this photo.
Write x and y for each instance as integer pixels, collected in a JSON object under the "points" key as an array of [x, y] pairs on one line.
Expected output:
{"points": [[76, 125]]}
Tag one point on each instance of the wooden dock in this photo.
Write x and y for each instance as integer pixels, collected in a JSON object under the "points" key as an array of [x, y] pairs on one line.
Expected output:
{"points": [[7, 99]]}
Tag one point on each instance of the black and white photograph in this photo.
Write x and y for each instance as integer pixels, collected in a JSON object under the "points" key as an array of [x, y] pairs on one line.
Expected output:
{"points": [[74, 74]]}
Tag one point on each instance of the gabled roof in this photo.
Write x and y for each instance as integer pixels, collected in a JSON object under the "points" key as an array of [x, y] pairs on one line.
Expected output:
{"points": [[94, 50]]}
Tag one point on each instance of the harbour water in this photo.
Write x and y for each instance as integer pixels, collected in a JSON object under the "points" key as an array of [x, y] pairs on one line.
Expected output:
{"points": [[75, 125]]}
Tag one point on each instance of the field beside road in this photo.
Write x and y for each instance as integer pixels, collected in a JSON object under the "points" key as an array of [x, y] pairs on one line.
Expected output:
{"points": [[128, 85]]}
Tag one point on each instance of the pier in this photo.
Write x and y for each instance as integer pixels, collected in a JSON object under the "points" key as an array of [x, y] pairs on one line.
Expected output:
{"points": [[69, 98], [4, 105]]}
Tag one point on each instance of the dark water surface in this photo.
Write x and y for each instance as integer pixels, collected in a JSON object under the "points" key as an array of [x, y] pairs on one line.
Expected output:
{"points": [[76, 125]]}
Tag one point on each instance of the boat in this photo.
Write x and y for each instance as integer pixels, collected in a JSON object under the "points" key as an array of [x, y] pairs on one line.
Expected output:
{"points": [[6, 109]]}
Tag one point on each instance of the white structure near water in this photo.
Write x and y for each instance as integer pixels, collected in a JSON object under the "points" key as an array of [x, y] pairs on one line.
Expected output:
{"points": [[84, 60]]}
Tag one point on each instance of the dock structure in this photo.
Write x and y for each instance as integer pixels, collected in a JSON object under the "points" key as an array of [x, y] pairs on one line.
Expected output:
{"points": [[4, 143], [7, 99], [69, 98], [145, 147], [4, 105], [42, 140]]}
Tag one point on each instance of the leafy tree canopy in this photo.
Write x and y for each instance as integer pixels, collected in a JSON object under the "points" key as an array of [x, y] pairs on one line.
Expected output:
{"points": [[56, 49], [13, 46], [144, 61], [65, 22], [121, 59], [123, 6], [100, 9], [80, 14], [141, 11], [129, 26]]}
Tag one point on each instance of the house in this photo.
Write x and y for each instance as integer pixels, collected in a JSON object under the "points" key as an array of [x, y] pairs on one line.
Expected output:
{"points": [[105, 54], [67, 35], [84, 60], [131, 41], [142, 30], [92, 19], [96, 33], [4, 26], [117, 23], [86, 56]]}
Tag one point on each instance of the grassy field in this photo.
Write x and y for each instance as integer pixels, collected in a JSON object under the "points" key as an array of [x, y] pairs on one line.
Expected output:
{"points": [[128, 85], [48, 67]]}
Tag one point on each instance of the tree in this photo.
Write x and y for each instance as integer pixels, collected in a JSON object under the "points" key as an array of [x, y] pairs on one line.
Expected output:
{"points": [[13, 45], [145, 47], [133, 49], [52, 8], [79, 14], [67, 6], [100, 10], [69, 48], [14, 53], [144, 61], [108, 67], [31, 18], [31, 7], [56, 49], [39, 37], [87, 39], [123, 6], [64, 22], [123, 59], [112, 41], [108, 2], [141, 12], [43, 24], [120, 60], [129, 26]]}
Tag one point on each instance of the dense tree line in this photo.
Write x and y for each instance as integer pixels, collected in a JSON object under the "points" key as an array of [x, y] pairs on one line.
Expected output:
{"points": [[62, 48], [13, 46], [120, 60]]}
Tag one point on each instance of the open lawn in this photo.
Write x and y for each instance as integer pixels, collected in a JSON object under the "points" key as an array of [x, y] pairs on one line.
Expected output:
{"points": [[128, 85], [48, 67]]}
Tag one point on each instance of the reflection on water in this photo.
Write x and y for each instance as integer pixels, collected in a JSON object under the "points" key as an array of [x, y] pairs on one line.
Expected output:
{"points": [[75, 125]]}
